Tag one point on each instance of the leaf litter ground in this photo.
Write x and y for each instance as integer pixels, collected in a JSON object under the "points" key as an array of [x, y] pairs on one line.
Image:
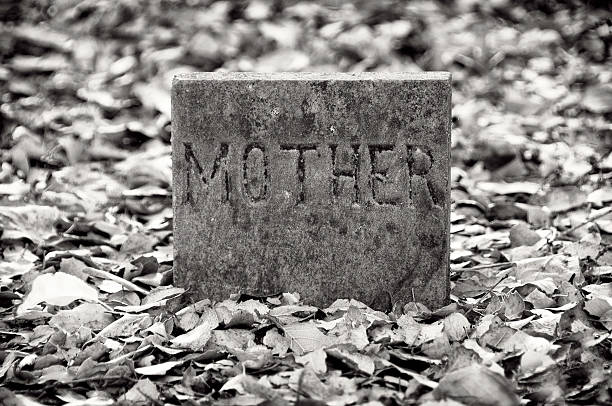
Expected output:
{"points": [[89, 315]]}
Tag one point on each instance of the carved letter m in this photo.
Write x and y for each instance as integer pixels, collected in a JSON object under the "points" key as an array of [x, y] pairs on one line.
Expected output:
{"points": [[198, 184]]}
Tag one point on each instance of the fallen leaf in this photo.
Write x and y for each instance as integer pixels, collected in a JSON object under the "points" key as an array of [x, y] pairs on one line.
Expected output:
{"points": [[561, 199], [154, 96], [59, 289], [456, 326], [505, 188], [539, 299], [254, 357], [90, 315], [26, 401], [39, 64], [598, 98], [521, 235], [409, 329], [521, 341], [430, 332], [310, 383], [282, 60], [599, 290], [251, 385], [157, 369], [56, 373], [126, 326], [514, 306], [315, 360], [197, 338], [144, 391], [305, 337], [285, 314], [44, 37], [36, 223], [234, 338], [598, 306], [606, 320], [533, 362], [346, 333], [138, 243], [355, 360], [477, 385], [234, 383], [15, 188], [277, 342], [161, 294]]}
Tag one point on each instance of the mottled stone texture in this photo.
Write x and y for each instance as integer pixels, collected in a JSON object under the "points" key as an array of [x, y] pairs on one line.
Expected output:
{"points": [[331, 185]]}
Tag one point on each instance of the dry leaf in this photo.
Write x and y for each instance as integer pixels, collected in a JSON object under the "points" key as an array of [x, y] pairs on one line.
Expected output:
{"points": [[126, 326], [277, 342], [456, 326], [310, 384], [521, 235], [197, 338], [59, 289], [90, 315], [251, 385], [408, 328], [598, 98], [234, 338], [36, 223], [161, 294], [514, 306], [477, 385], [144, 391], [255, 357], [157, 369], [562, 199], [505, 188], [355, 360], [315, 360], [305, 337]]}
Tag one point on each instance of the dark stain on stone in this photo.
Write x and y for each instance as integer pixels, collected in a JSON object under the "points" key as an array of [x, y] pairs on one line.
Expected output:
{"points": [[309, 117], [391, 228], [320, 86], [377, 242], [312, 219]]}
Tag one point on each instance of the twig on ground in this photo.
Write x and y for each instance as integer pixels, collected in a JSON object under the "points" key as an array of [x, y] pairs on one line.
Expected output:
{"points": [[486, 266], [129, 354], [102, 378], [587, 221], [98, 273], [490, 290]]}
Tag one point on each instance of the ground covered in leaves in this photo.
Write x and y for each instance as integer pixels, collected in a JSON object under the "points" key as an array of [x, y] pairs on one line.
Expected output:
{"points": [[88, 313]]}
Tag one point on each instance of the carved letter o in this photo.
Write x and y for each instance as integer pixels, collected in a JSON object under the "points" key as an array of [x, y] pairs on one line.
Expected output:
{"points": [[255, 173]]}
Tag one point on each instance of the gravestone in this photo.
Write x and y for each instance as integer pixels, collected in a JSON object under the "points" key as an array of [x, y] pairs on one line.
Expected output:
{"points": [[332, 185]]}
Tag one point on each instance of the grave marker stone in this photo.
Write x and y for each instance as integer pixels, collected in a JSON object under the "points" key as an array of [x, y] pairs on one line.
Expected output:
{"points": [[333, 185]]}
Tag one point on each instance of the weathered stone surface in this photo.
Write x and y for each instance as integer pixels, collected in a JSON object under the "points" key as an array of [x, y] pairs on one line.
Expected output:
{"points": [[331, 185]]}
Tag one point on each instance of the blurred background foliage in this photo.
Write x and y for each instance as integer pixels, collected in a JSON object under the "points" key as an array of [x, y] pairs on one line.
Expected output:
{"points": [[523, 70]]}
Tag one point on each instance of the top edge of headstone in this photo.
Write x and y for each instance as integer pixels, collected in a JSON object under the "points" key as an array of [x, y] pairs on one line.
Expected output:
{"points": [[314, 76]]}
